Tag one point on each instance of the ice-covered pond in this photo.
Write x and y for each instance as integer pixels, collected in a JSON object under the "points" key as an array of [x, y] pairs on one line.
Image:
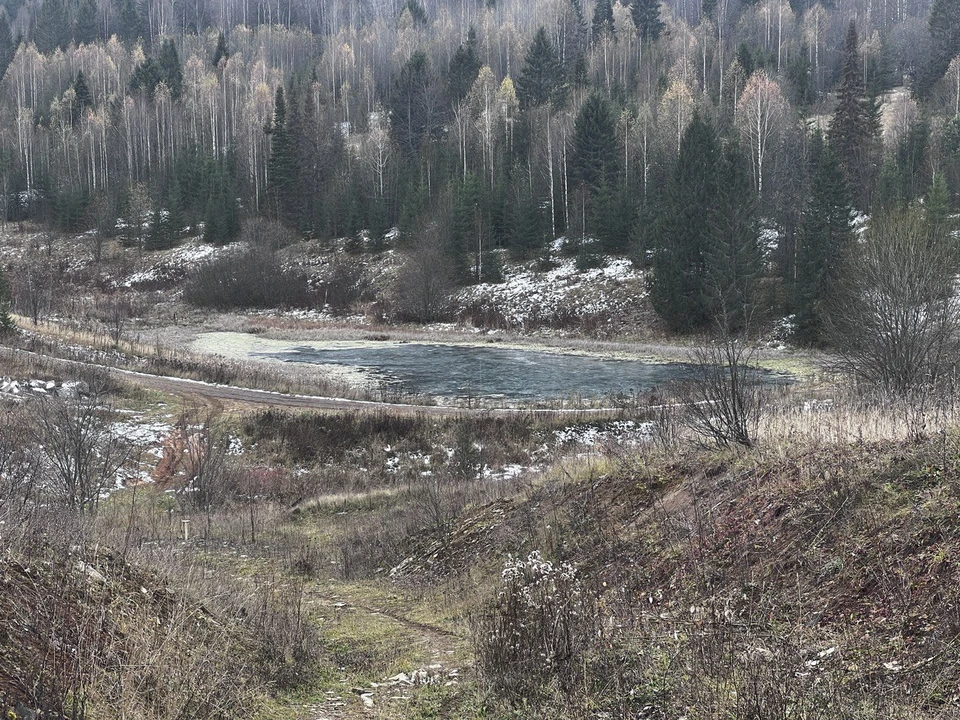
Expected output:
{"points": [[459, 370]]}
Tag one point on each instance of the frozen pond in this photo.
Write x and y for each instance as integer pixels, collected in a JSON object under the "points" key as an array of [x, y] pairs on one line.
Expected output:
{"points": [[471, 371]]}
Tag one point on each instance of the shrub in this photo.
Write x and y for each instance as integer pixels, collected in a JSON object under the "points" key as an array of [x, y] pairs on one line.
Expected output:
{"points": [[537, 631], [251, 279]]}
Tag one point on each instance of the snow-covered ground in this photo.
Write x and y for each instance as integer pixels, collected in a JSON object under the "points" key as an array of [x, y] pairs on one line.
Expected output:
{"points": [[528, 298]]}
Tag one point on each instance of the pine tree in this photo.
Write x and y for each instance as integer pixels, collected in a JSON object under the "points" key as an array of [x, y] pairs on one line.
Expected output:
{"points": [[8, 47], [825, 234], [463, 70], [52, 30], [222, 218], [937, 213], [612, 216], [160, 236], [602, 19], [529, 229], [646, 16], [856, 123], [734, 262], [417, 12], [541, 78], [221, 52], [82, 98], [677, 283]]}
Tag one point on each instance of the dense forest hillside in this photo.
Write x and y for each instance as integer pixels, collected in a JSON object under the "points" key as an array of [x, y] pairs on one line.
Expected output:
{"points": [[720, 143]]}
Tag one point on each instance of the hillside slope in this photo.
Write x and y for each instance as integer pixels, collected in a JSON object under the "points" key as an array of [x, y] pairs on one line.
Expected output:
{"points": [[824, 583]]}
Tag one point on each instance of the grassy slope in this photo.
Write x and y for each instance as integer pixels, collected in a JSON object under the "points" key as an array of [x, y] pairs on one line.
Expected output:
{"points": [[824, 582]]}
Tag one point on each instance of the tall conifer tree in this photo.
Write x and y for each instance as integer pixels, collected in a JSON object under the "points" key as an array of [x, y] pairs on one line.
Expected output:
{"points": [[677, 283], [825, 234], [282, 169], [463, 70], [541, 78], [733, 258], [602, 19], [944, 26], [646, 17], [855, 126]]}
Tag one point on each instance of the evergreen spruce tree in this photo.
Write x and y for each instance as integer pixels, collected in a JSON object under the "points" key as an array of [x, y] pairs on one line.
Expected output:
{"points": [[612, 216], [417, 12], [222, 219], [170, 72], [309, 167], [541, 78], [464, 68], [412, 117], [596, 158], [52, 30], [944, 26], [8, 47], [82, 98], [646, 17], [221, 52], [131, 25], [602, 19], [855, 126], [281, 172], [160, 236], [677, 282], [529, 229], [86, 29], [734, 262], [825, 234], [7, 325]]}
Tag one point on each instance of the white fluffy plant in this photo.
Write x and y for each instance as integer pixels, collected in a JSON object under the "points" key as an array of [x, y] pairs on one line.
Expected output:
{"points": [[533, 637]]}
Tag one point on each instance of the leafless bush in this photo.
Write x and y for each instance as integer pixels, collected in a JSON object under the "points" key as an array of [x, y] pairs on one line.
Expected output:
{"points": [[18, 463], [893, 319], [265, 233], [722, 401], [537, 631], [253, 278], [422, 288], [343, 285], [288, 644], [206, 444]]}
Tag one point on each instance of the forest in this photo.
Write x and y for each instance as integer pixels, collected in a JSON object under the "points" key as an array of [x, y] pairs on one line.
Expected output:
{"points": [[730, 147]]}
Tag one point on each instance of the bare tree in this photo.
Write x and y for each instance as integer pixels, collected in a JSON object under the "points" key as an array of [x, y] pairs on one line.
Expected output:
{"points": [[80, 455], [761, 114], [893, 316], [722, 401], [425, 280]]}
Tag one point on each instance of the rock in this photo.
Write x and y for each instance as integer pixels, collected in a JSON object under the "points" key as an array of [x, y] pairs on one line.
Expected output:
{"points": [[367, 699]]}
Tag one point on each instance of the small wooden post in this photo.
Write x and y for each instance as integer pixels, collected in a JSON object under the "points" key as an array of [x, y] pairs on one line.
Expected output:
{"points": [[185, 524]]}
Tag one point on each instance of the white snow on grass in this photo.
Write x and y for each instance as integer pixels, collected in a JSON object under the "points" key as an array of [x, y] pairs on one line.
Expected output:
{"points": [[145, 434], [171, 266], [624, 432], [529, 297]]}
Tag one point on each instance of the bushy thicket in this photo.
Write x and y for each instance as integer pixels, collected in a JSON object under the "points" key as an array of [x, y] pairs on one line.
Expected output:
{"points": [[250, 279]]}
